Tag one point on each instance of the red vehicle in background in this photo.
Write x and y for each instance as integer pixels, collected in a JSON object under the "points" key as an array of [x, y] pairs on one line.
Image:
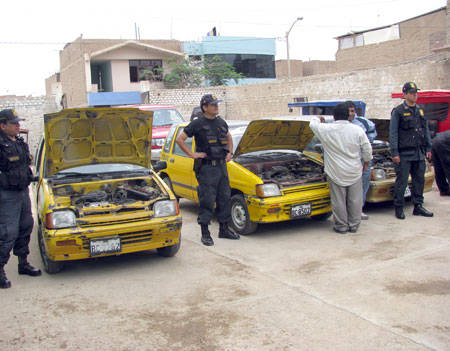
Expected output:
{"points": [[163, 118], [435, 105]]}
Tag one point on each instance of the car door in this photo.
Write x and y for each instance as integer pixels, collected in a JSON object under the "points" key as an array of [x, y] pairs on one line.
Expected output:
{"points": [[179, 168]]}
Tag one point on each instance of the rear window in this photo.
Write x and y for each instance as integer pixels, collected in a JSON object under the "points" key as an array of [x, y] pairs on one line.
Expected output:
{"points": [[437, 111], [166, 117]]}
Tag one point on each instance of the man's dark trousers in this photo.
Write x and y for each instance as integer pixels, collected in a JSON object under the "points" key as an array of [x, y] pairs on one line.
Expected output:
{"points": [[441, 161], [16, 223], [417, 171], [213, 188]]}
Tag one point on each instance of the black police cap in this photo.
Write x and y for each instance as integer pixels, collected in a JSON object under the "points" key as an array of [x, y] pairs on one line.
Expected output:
{"points": [[409, 86], [9, 115], [209, 99]]}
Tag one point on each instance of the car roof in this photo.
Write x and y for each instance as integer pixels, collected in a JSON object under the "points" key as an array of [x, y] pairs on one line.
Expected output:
{"points": [[149, 107]]}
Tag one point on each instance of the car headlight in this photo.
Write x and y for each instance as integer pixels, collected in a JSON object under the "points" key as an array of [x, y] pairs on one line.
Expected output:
{"points": [[61, 219], [378, 174], [158, 142], [267, 190], [165, 208]]}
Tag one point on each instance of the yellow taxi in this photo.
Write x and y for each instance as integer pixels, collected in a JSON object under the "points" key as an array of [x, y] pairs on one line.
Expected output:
{"points": [[271, 179], [96, 193]]}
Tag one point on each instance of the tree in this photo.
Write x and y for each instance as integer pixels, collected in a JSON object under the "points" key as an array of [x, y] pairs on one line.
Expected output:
{"points": [[183, 73], [218, 71]]}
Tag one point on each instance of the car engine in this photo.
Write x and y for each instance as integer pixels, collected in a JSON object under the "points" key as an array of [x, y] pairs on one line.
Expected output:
{"points": [[285, 169]]}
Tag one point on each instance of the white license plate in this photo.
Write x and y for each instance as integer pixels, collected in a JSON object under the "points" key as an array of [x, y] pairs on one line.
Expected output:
{"points": [[105, 245], [407, 191], [302, 210]]}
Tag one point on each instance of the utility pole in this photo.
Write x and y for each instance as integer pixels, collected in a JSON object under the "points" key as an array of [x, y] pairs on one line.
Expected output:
{"points": [[287, 46]]}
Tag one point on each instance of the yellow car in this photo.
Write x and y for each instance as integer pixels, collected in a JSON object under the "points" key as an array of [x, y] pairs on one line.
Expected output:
{"points": [[96, 195], [271, 180]]}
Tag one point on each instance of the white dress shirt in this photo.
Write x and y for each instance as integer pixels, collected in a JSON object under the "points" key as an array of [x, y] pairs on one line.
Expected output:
{"points": [[344, 144]]}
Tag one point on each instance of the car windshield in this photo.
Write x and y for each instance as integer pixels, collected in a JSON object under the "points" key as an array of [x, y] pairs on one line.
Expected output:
{"points": [[166, 117], [102, 169]]}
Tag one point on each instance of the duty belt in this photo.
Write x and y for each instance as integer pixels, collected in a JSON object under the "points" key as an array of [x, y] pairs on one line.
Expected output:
{"points": [[206, 161]]}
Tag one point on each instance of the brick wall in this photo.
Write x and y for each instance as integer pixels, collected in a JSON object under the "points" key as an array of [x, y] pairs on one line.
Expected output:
{"points": [[32, 109], [418, 37], [73, 83], [374, 86]]}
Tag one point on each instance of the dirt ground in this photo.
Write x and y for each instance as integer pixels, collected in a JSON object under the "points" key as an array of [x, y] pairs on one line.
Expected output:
{"points": [[289, 286]]}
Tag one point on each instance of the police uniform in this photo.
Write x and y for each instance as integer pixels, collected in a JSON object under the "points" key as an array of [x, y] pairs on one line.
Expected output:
{"points": [[211, 172], [409, 139], [16, 220]]}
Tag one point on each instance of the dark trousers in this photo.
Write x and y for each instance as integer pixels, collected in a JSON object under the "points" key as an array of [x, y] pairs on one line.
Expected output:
{"points": [[441, 162], [16, 223], [403, 170], [213, 188]]}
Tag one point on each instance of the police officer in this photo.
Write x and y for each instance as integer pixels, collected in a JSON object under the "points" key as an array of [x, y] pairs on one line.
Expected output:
{"points": [[410, 145], [213, 149], [16, 220]]}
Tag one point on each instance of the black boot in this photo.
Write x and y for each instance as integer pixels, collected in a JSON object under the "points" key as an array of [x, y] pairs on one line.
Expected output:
{"points": [[226, 233], [4, 282], [26, 268], [420, 211], [206, 236], [399, 212]]}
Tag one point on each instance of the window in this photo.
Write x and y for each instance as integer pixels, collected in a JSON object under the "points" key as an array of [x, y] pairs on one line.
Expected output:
{"points": [[251, 66], [145, 70], [169, 139], [436, 111], [177, 149], [346, 42], [166, 117]]}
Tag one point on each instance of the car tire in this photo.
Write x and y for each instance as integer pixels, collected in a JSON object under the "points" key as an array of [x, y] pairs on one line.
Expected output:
{"points": [[51, 267], [166, 180], [169, 251], [322, 216], [240, 219]]}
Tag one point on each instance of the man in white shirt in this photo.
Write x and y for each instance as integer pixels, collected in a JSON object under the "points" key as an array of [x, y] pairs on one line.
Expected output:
{"points": [[343, 144]]}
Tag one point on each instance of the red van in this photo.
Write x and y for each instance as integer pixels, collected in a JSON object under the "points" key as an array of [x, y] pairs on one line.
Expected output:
{"points": [[435, 105]]}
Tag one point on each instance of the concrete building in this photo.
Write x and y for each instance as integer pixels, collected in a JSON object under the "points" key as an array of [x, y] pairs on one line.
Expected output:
{"points": [[253, 57], [99, 72], [411, 39]]}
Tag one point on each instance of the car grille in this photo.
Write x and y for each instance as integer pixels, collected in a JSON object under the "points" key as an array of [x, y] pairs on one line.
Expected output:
{"points": [[127, 238], [297, 189], [85, 224]]}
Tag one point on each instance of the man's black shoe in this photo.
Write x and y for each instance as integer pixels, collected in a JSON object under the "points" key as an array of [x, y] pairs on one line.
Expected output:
{"points": [[225, 233], [206, 236], [4, 282], [28, 269], [353, 230], [399, 213], [340, 231], [445, 193], [420, 211]]}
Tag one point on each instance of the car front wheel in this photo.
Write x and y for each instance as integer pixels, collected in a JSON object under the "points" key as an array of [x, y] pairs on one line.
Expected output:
{"points": [[240, 219], [169, 251], [51, 267]]}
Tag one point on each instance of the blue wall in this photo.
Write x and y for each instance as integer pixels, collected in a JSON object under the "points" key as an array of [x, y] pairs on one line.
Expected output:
{"points": [[231, 45]]}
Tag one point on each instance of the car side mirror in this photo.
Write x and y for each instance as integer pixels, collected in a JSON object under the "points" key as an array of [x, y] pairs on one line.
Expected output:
{"points": [[159, 166]]}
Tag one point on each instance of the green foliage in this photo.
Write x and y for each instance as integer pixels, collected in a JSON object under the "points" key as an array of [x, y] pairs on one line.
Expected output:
{"points": [[218, 71], [188, 73], [183, 73]]}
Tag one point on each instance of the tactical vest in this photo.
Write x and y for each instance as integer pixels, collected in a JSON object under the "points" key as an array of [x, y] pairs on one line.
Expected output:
{"points": [[412, 127], [216, 142], [15, 172]]}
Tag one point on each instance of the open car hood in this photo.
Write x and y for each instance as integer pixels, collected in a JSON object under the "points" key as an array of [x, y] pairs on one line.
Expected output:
{"points": [[274, 135], [78, 137], [382, 126]]}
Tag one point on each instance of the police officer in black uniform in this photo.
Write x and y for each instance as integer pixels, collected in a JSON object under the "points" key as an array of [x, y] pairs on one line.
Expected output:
{"points": [[16, 220], [213, 149], [410, 145]]}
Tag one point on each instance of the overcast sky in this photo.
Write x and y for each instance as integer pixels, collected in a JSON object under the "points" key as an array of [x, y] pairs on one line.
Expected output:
{"points": [[33, 32]]}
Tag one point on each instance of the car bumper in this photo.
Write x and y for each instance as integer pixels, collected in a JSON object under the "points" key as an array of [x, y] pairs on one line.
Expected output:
{"points": [[383, 190], [65, 245], [278, 209]]}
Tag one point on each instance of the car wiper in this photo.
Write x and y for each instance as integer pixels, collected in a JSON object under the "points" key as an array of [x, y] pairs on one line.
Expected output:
{"points": [[127, 174], [73, 174]]}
